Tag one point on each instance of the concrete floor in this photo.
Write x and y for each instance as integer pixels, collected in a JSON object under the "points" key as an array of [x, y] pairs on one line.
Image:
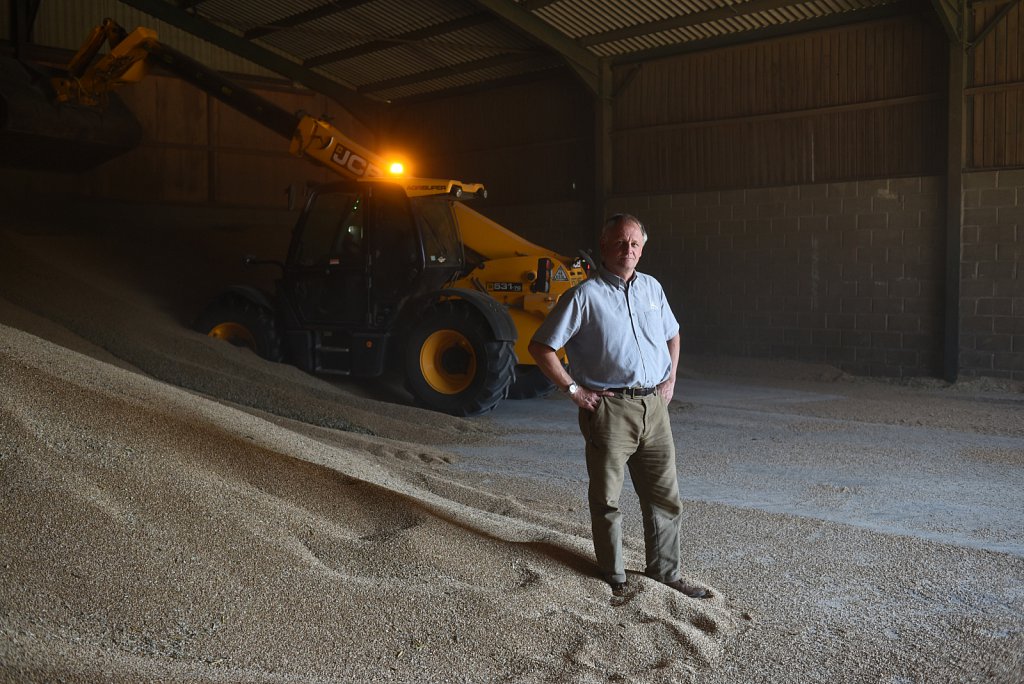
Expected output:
{"points": [[871, 532], [749, 446]]}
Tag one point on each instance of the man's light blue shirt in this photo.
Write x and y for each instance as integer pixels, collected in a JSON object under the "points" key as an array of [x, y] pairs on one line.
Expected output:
{"points": [[615, 333]]}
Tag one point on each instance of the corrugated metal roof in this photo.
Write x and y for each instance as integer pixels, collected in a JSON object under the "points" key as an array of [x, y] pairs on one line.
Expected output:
{"points": [[652, 24], [394, 49]]}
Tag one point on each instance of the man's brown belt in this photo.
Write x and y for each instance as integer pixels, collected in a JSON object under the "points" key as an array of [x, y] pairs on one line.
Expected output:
{"points": [[633, 392]]}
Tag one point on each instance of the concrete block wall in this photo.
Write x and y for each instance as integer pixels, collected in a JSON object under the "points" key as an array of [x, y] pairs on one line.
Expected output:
{"points": [[850, 274], [992, 275]]}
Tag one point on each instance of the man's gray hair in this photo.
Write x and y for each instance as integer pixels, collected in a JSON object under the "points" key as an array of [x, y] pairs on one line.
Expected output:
{"points": [[617, 220]]}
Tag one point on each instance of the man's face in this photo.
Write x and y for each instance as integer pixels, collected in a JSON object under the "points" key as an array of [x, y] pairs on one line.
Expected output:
{"points": [[621, 248]]}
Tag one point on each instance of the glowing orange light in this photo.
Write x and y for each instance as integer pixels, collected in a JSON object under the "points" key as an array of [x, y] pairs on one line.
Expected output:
{"points": [[396, 168]]}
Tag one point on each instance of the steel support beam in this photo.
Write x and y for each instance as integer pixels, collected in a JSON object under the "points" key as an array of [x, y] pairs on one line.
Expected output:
{"points": [[603, 152], [583, 62], [954, 208], [951, 14], [301, 18], [23, 19], [401, 39]]}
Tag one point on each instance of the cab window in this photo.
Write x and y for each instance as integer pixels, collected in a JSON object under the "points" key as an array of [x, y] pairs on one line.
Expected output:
{"points": [[333, 232]]}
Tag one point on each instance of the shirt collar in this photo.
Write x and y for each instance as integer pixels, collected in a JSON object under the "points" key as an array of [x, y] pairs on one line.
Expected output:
{"points": [[614, 280]]}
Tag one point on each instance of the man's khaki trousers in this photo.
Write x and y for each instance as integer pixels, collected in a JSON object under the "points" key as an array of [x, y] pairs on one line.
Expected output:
{"points": [[634, 433]]}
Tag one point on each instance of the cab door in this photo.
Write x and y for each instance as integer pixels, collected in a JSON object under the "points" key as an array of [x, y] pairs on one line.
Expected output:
{"points": [[327, 275], [395, 252]]}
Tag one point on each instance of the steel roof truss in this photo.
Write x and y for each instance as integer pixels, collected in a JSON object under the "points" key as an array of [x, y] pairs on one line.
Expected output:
{"points": [[335, 7], [402, 38], [582, 61], [361, 107]]}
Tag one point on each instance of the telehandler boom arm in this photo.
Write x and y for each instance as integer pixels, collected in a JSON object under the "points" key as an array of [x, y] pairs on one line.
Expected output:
{"points": [[132, 55]]}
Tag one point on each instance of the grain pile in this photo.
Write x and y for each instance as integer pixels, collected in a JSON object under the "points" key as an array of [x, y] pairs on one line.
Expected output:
{"points": [[175, 509]]}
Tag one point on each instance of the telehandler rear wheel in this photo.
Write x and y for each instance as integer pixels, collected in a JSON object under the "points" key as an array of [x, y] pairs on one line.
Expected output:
{"points": [[244, 324], [454, 364]]}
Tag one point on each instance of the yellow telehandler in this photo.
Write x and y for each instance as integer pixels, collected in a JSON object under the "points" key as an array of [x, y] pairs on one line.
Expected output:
{"points": [[383, 270]]}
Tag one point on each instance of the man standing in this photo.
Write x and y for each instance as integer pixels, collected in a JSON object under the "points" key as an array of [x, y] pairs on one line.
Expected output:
{"points": [[623, 345]]}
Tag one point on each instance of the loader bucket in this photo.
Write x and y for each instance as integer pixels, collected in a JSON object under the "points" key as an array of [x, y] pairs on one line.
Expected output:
{"points": [[37, 134]]}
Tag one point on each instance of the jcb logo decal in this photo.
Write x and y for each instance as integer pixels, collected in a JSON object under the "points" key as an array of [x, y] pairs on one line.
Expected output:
{"points": [[359, 166]]}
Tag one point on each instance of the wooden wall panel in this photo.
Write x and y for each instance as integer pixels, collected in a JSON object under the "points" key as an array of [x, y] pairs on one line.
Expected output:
{"points": [[234, 129], [727, 155], [252, 165], [829, 145], [170, 164], [995, 88], [154, 174], [862, 101], [174, 112], [527, 142], [548, 171], [253, 179], [531, 144], [196, 150]]}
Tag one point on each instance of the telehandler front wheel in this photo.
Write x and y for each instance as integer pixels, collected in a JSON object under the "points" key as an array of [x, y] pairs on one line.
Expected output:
{"points": [[242, 323], [530, 383], [454, 364]]}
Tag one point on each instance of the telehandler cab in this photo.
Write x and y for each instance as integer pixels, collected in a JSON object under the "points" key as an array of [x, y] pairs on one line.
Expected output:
{"points": [[366, 285], [383, 270]]}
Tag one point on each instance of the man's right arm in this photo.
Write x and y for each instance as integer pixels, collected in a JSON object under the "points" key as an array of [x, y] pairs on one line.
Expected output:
{"points": [[561, 324], [550, 366]]}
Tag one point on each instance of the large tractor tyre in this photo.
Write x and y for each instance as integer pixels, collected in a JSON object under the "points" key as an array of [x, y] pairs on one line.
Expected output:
{"points": [[243, 323], [530, 383], [454, 364]]}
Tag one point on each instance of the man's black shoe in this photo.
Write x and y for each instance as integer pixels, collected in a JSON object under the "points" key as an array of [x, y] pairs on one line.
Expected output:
{"points": [[690, 590], [618, 588]]}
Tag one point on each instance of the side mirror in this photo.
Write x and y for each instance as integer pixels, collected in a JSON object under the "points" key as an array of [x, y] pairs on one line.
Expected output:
{"points": [[587, 261], [543, 281]]}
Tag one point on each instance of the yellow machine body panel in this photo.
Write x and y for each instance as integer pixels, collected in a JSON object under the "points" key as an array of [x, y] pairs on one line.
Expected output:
{"points": [[492, 240], [528, 287], [88, 83]]}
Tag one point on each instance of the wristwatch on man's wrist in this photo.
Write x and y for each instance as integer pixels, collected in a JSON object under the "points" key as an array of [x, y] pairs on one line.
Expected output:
{"points": [[572, 388]]}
